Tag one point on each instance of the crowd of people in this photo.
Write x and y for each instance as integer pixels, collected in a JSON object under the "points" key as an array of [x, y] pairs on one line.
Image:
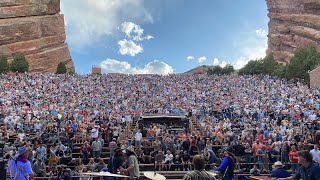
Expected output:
{"points": [[259, 119]]}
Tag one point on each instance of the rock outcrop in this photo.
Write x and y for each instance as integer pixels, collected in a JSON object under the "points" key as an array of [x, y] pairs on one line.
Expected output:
{"points": [[35, 28], [293, 24]]}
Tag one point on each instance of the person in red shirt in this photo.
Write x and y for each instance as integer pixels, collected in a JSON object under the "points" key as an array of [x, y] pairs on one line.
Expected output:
{"points": [[256, 146], [85, 149], [293, 157], [259, 136]]}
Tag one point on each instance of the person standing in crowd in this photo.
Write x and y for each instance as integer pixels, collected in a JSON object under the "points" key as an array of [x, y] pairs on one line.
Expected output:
{"points": [[138, 138], [293, 157], [199, 172], [20, 167], [315, 152], [96, 149], [132, 164], [41, 152], [85, 150], [227, 166], [308, 170], [39, 168], [112, 147], [94, 132]]}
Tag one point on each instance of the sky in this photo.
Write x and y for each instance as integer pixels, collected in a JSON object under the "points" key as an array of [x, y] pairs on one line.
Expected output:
{"points": [[164, 36]]}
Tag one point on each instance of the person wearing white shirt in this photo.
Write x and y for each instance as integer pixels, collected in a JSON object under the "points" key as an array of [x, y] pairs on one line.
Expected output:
{"points": [[315, 154], [94, 133], [168, 159], [138, 138]]}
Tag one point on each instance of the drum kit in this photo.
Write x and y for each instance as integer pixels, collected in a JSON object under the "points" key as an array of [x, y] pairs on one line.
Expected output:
{"points": [[148, 174]]}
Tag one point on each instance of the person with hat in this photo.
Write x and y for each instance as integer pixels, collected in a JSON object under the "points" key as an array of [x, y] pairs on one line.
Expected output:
{"points": [[20, 167], [227, 166], [279, 171], [132, 164]]}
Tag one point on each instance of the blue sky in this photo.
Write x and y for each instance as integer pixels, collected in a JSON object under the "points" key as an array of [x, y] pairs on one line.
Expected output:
{"points": [[164, 36]]}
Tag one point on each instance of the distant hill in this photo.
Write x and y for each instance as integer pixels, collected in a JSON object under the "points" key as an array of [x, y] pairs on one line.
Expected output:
{"points": [[198, 70]]}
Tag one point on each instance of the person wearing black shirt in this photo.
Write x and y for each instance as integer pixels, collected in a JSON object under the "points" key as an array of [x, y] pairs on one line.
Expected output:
{"points": [[117, 160], [70, 139], [273, 156], [146, 155], [186, 160], [186, 145], [59, 152], [177, 160]]}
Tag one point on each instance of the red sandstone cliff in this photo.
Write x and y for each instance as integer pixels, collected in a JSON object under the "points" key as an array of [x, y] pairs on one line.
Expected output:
{"points": [[293, 24], [35, 28]]}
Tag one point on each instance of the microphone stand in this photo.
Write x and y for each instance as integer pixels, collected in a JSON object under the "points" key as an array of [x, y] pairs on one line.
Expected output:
{"points": [[154, 168]]}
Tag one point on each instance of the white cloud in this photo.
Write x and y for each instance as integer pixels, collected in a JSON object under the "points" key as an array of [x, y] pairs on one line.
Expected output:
{"points": [[201, 59], [132, 31], [149, 37], [215, 61], [261, 33], [252, 48], [240, 63], [88, 21], [189, 58], [128, 47], [223, 64], [155, 67]]}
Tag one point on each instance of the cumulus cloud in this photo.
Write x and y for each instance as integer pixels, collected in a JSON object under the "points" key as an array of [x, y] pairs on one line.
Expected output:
{"points": [[89, 21], [261, 33], [223, 64], [202, 59], [215, 61], [189, 58], [154, 67], [134, 31], [128, 47], [252, 48]]}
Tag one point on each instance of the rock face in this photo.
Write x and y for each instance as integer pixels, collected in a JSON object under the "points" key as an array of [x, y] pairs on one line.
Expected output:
{"points": [[293, 24], [35, 28]]}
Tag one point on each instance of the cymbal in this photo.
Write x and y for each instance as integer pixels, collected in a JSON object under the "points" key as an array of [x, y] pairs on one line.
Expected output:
{"points": [[212, 173], [107, 174], [154, 176]]}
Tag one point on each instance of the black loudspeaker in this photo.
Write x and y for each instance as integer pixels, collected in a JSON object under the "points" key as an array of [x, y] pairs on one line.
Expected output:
{"points": [[3, 173]]}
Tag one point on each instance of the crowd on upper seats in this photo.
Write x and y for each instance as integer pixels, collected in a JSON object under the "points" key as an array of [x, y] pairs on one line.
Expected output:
{"points": [[262, 118]]}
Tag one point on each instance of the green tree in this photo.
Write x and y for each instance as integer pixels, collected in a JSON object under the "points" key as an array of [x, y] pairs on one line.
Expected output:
{"points": [[269, 65], [253, 67], [19, 63], [4, 65], [61, 68], [228, 69], [304, 60]]}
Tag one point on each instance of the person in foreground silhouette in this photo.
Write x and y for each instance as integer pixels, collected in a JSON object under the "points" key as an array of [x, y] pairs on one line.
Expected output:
{"points": [[308, 170], [199, 173]]}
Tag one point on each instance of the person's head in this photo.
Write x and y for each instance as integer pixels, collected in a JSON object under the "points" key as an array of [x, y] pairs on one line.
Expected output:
{"points": [[198, 162], [316, 146], [277, 165], [23, 152], [304, 157], [293, 148]]}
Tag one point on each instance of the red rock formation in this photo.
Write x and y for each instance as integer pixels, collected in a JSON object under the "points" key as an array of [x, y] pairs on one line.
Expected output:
{"points": [[293, 24], [35, 28]]}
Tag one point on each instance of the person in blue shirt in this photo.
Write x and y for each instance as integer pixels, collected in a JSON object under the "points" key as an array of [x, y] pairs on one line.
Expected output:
{"points": [[20, 167], [279, 171], [308, 170], [227, 166]]}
